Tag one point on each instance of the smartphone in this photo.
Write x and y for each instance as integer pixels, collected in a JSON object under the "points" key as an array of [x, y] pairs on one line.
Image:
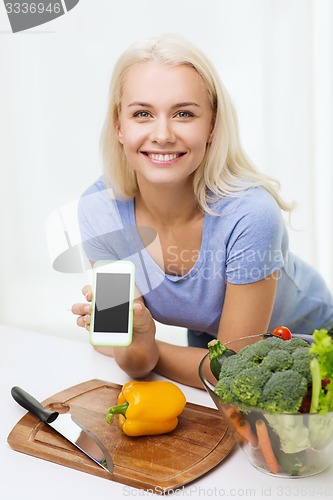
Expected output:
{"points": [[112, 303]]}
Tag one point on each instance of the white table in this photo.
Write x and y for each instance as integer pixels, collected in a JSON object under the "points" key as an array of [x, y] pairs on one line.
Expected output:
{"points": [[45, 365]]}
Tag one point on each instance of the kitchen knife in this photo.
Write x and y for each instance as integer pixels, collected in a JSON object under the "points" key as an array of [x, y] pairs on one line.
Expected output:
{"points": [[68, 427]]}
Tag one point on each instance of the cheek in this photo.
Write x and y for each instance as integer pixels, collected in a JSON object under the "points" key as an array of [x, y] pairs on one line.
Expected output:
{"points": [[198, 142], [131, 146], [131, 137], [198, 134]]}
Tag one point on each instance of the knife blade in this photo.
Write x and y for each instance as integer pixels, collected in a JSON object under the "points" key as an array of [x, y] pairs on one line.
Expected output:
{"points": [[66, 425]]}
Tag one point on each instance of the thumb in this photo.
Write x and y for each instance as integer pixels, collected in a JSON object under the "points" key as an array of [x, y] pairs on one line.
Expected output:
{"points": [[142, 316], [138, 308]]}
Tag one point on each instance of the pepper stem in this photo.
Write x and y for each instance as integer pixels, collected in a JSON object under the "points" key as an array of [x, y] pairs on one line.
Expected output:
{"points": [[115, 410]]}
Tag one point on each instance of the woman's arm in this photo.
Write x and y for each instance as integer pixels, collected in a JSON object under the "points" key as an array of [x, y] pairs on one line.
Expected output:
{"points": [[246, 311]]}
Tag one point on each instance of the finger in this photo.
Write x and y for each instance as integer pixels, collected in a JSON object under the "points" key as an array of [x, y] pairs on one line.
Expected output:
{"points": [[84, 321], [81, 309], [87, 292], [138, 309], [142, 317], [80, 322], [87, 322]]}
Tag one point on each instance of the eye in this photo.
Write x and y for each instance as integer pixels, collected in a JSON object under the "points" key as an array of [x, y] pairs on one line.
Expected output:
{"points": [[184, 114], [142, 114]]}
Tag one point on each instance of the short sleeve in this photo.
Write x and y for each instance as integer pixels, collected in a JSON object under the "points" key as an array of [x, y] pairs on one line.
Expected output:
{"points": [[100, 224], [256, 246]]}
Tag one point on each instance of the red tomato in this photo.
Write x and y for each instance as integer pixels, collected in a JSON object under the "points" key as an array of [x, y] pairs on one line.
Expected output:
{"points": [[283, 332]]}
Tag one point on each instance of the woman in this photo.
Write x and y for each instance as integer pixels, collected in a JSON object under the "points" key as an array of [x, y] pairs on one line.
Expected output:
{"points": [[173, 158]]}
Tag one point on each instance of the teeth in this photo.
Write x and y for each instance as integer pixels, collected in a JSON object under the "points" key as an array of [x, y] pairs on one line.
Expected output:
{"points": [[163, 157]]}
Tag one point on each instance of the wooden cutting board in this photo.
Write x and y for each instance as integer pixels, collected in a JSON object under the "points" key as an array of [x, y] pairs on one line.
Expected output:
{"points": [[155, 463]]}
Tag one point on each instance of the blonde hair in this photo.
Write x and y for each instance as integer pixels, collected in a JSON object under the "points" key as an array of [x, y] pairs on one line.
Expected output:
{"points": [[225, 170]]}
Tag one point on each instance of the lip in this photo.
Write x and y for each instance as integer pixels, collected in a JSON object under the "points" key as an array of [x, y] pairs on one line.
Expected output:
{"points": [[163, 158]]}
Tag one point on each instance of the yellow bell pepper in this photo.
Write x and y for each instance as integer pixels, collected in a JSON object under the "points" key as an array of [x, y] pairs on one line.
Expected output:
{"points": [[148, 408]]}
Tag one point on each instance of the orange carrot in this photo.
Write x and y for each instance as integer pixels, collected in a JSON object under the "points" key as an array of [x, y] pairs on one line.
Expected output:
{"points": [[243, 428], [266, 446], [234, 416]]}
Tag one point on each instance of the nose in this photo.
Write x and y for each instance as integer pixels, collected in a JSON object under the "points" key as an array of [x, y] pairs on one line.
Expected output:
{"points": [[162, 131]]}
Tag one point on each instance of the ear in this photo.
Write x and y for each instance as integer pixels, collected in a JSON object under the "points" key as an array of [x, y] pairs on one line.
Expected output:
{"points": [[212, 130], [211, 135], [119, 132]]}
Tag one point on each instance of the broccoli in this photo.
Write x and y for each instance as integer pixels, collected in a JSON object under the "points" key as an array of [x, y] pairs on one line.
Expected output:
{"points": [[271, 375], [277, 376], [233, 365], [258, 351], [301, 362], [283, 392], [294, 343], [278, 360], [224, 389], [247, 385], [265, 375]]}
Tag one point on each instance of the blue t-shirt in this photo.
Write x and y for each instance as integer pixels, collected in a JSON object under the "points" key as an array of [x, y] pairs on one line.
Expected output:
{"points": [[245, 243]]}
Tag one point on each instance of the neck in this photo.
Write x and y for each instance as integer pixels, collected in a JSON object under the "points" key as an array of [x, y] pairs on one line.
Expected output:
{"points": [[168, 205]]}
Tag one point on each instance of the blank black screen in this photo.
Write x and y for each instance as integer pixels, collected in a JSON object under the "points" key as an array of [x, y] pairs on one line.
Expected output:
{"points": [[112, 302]]}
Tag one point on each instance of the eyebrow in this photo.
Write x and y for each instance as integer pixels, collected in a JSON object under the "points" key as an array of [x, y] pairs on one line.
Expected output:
{"points": [[178, 105]]}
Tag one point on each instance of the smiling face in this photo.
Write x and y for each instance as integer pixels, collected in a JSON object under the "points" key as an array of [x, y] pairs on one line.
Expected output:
{"points": [[165, 122]]}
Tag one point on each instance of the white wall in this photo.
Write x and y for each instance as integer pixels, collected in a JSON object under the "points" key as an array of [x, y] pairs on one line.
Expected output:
{"points": [[275, 57]]}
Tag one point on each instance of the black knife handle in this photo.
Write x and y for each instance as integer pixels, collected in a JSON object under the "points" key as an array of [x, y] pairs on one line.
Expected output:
{"points": [[31, 404]]}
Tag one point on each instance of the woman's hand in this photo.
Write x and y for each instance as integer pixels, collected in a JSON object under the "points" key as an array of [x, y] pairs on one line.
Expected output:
{"points": [[84, 310], [141, 356], [142, 319]]}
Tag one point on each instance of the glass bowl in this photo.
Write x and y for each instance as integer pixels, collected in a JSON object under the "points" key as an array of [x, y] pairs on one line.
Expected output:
{"points": [[301, 444]]}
